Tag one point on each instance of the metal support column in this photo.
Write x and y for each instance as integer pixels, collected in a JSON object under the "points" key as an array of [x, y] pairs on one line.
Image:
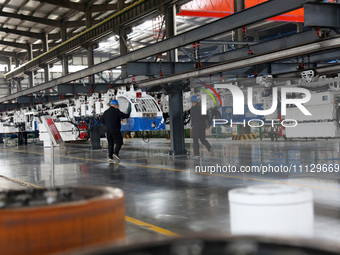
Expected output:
{"points": [[46, 73], [30, 74], [95, 133], [17, 63], [30, 79], [95, 138], [46, 67], [64, 62], [9, 67], [17, 80], [176, 95], [171, 30], [123, 49], [176, 120], [90, 56], [238, 6]]}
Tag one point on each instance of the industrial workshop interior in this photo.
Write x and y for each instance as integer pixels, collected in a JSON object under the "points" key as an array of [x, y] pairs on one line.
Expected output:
{"points": [[174, 127]]}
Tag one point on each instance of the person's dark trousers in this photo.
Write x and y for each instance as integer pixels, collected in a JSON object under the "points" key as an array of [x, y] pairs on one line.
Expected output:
{"points": [[199, 133], [115, 142]]}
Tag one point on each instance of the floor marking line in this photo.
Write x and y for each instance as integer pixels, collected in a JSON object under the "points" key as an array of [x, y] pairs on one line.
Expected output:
{"points": [[20, 182], [188, 171], [151, 227]]}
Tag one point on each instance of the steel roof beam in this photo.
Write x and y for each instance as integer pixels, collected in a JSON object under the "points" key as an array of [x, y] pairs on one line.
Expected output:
{"points": [[57, 36], [322, 15], [322, 57], [24, 45], [268, 46], [49, 22], [4, 59], [81, 7], [103, 7], [22, 33], [226, 66], [14, 44], [127, 15], [226, 42], [152, 68], [66, 4], [75, 23], [320, 69], [251, 15], [317, 61], [253, 60], [7, 54]]}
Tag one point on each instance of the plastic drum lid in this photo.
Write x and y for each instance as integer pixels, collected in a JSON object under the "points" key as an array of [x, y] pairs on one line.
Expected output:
{"points": [[270, 195]]}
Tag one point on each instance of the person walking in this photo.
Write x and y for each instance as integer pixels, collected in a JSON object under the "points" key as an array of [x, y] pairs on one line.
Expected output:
{"points": [[198, 125], [112, 118]]}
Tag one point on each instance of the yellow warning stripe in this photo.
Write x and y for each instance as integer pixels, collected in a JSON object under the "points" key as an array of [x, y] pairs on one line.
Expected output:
{"points": [[20, 182], [244, 137], [151, 227]]}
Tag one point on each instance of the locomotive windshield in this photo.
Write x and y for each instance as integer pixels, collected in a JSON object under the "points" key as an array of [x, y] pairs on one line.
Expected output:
{"points": [[146, 105], [124, 104]]}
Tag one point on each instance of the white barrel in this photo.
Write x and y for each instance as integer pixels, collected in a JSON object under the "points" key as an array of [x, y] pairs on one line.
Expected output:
{"points": [[276, 210]]}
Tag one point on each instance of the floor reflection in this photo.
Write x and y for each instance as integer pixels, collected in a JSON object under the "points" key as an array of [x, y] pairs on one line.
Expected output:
{"points": [[166, 190]]}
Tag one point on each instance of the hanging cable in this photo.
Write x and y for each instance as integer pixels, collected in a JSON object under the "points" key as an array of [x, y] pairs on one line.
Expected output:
{"points": [[197, 58], [160, 64], [322, 33], [245, 38]]}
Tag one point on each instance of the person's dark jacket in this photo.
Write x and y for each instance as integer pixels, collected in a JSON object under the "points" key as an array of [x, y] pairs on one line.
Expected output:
{"points": [[197, 119], [112, 118]]}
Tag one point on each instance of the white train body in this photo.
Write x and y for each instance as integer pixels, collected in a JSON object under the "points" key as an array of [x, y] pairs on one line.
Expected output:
{"points": [[74, 117]]}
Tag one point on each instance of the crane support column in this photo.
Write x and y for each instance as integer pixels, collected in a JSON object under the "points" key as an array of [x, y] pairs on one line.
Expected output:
{"points": [[176, 120]]}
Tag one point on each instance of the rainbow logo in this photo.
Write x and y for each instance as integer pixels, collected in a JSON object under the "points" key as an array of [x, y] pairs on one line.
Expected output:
{"points": [[211, 95]]}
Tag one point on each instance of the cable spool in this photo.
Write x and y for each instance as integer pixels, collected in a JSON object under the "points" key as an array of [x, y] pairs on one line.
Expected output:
{"points": [[45, 221], [276, 210]]}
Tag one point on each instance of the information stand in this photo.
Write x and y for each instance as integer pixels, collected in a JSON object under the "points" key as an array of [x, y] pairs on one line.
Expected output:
{"points": [[55, 138]]}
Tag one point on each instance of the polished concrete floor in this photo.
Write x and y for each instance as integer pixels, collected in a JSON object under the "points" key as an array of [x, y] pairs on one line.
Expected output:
{"points": [[166, 193]]}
